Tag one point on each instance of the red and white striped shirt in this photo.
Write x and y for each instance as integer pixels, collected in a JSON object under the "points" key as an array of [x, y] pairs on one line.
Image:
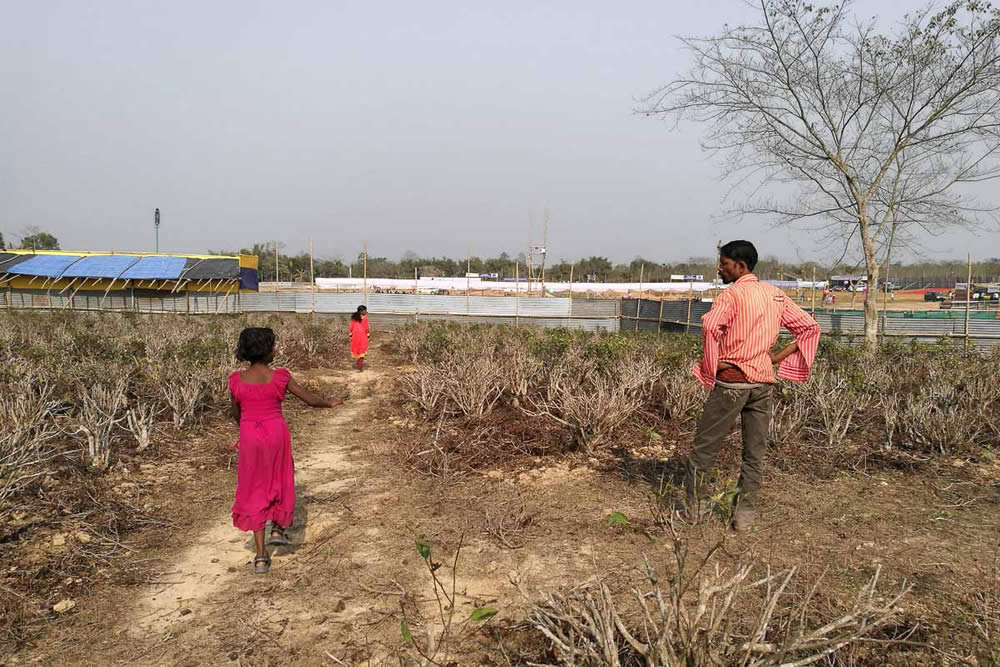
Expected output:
{"points": [[742, 327]]}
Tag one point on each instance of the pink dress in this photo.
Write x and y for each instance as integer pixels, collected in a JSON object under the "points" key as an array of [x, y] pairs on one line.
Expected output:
{"points": [[359, 337], [265, 477]]}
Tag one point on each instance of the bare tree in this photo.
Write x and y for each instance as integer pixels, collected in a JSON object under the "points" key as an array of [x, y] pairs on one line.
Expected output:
{"points": [[863, 134]]}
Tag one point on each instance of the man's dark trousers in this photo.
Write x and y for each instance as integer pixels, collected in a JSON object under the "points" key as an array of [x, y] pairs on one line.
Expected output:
{"points": [[725, 404]]}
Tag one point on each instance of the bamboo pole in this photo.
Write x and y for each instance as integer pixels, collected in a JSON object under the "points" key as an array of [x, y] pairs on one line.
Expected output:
{"points": [[364, 252], [814, 293], [659, 320], [275, 263], [312, 276], [416, 297], [571, 290], [687, 327], [468, 270], [968, 301], [517, 295]]}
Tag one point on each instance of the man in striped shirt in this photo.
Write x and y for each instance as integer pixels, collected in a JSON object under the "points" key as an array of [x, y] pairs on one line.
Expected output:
{"points": [[738, 366]]}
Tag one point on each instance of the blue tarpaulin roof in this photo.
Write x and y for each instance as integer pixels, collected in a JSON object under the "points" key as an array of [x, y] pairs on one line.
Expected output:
{"points": [[48, 266], [100, 266], [155, 268]]}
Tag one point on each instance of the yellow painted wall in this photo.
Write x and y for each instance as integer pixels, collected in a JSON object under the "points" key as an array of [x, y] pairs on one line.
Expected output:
{"points": [[28, 282]]}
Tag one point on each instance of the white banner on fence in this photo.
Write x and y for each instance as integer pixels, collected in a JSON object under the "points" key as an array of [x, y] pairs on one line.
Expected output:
{"points": [[432, 285]]}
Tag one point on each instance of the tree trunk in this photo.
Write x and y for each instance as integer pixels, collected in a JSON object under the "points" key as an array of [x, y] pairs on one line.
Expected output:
{"points": [[871, 265], [871, 293]]}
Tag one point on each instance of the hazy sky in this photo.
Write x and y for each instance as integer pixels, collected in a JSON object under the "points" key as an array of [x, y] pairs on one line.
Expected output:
{"points": [[436, 127]]}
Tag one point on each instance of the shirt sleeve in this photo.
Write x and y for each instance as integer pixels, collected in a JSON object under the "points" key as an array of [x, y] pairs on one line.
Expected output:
{"points": [[795, 366], [713, 325]]}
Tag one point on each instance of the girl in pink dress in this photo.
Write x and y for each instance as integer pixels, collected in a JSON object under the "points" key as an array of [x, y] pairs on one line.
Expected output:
{"points": [[360, 333], [265, 482]]}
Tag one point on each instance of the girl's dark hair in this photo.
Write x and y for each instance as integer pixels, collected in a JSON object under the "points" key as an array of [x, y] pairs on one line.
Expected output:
{"points": [[256, 344], [356, 315]]}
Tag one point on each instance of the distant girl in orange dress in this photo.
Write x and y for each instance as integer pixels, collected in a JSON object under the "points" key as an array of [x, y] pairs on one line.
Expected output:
{"points": [[360, 333]]}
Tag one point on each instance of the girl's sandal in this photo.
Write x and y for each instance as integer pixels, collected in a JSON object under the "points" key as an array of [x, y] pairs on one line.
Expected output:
{"points": [[261, 564], [281, 539]]}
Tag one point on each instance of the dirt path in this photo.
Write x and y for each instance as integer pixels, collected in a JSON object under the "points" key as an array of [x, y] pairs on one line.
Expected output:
{"points": [[190, 600]]}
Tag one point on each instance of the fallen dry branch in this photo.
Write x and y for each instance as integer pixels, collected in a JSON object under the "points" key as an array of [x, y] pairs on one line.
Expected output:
{"points": [[692, 619]]}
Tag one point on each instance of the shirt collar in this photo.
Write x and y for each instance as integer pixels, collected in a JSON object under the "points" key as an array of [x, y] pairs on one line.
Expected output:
{"points": [[748, 278]]}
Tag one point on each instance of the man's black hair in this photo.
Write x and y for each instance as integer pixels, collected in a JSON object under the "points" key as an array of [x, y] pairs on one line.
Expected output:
{"points": [[256, 343], [740, 251]]}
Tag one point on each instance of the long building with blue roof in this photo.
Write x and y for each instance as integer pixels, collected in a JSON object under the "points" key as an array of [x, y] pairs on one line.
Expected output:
{"points": [[122, 277]]}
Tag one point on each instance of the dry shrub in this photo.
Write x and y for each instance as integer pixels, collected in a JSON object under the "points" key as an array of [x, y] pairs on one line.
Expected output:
{"points": [[834, 405], [26, 436], [141, 421], [425, 387], [185, 394], [472, 384], [937, 420], [953, 411], [467, 381], [698, 618], [99, 418], [593, 402], [684, 397], [520, 372], [789, 417], [408, 340]]}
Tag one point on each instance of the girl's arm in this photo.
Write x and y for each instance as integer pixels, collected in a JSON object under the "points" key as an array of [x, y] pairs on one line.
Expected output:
{"points": [[234, 409], [310, 398]]}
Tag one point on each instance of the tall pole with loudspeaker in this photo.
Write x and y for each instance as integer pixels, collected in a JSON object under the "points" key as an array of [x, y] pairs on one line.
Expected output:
{"points": [[156, 226]]}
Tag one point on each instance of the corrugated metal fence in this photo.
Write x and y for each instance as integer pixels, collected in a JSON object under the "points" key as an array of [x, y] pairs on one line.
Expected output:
{"points": [[393, 309], [143, 301], [388, 310], [674, 316]]}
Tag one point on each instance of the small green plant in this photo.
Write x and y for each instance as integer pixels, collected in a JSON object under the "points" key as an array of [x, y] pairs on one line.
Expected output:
{"points": [[437, 648], [723, 501]]}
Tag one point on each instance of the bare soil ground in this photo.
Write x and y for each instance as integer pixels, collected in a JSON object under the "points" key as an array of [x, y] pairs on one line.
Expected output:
{"points": [[338, 595]]}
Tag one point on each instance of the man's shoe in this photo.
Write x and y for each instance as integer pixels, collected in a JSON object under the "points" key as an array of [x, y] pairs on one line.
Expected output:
{"points": [[743, 519]]}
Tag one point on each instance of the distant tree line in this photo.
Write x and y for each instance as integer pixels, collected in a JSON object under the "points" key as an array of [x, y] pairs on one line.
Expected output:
{"points": [[32, 238], [295, 268]]}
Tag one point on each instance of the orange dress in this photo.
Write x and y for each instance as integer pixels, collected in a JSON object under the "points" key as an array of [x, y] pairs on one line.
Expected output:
{"points": [[359, 337]]}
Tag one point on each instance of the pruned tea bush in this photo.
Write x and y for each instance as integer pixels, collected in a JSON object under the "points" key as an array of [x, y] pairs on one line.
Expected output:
{"points": [[909, 400]]}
